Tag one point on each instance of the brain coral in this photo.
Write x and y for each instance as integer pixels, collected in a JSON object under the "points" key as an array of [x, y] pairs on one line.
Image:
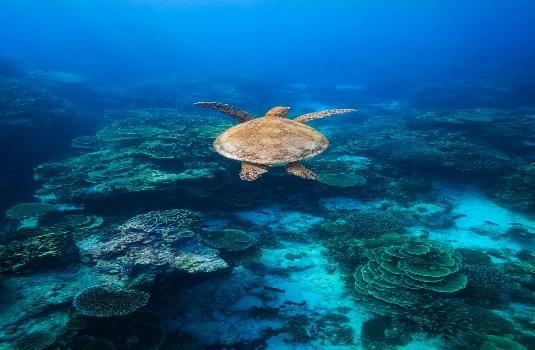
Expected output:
{"points": [[103, 302], [401, 274]]}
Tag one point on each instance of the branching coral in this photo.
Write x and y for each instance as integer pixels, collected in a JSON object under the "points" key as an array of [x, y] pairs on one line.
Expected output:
{"points": [[171, 225], [28, 250], [485, 281], [362, 224]]}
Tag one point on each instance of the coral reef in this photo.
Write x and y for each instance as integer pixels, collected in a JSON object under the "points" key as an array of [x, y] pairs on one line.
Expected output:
{"points": [[105, 302], [152, 244], [391, 248], [141, 150]]}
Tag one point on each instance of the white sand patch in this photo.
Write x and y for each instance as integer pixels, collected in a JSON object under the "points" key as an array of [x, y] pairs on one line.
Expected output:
{"points": [[474, 208]]}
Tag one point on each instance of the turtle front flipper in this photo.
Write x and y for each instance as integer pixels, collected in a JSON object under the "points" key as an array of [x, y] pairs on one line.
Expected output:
{"points": [[298, 169], [240, 116], [305, 118], [251, 172]]}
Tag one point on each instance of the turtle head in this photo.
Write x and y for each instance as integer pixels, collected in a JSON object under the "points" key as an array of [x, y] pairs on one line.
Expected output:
{"points": [[277, 112]]}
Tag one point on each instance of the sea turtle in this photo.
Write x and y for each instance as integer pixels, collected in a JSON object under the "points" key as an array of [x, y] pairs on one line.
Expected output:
{"points": [[271, 140]]}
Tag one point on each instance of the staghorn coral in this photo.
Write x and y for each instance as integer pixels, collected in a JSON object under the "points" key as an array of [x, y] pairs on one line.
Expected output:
{"points": [[28, 250], [345, 232], [453, 319], [485, 282], [104, 302], [362, 224], [438, 316], [403, 274], [77, 224]]}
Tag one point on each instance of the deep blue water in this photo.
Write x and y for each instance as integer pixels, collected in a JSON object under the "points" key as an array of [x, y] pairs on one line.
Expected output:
{"points": [[121, 227]]}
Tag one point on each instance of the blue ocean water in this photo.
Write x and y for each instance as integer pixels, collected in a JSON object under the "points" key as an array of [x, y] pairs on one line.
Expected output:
{"points": [[132, 218]]}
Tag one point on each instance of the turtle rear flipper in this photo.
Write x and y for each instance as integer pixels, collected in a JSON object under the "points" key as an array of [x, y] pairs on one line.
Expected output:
{"points": [[305, 118], [251, 172], [298, 169], [241, 116]]}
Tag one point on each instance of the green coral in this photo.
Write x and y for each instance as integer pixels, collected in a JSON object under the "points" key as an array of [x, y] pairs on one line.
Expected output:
{"points": [[104, 302], [401, 274], [230, 240]]}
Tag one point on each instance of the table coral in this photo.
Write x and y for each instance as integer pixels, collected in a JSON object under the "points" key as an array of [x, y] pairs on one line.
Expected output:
{"points": [[401, 274]]}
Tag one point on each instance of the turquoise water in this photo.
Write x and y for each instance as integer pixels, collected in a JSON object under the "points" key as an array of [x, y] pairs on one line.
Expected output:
{"points": [[406, 224]]}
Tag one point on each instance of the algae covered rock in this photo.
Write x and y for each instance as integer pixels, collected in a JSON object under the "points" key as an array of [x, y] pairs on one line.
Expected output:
{"points": [[104, 302], [401, 274]]}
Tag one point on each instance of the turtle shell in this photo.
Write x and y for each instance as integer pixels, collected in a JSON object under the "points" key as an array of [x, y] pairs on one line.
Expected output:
{"points": [[270, 141]]}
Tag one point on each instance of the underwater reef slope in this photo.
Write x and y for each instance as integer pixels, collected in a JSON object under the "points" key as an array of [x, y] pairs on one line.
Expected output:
{"points": [[419, 233]]}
